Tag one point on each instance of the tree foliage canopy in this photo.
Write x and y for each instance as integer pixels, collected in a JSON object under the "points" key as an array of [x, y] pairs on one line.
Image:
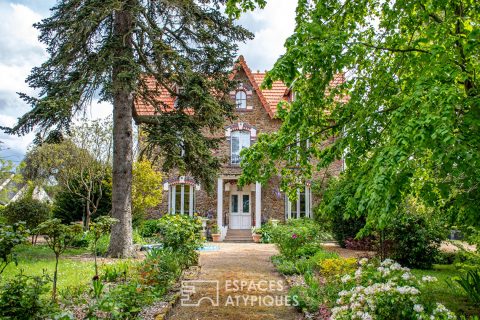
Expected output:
{"points": [[411, 122], [178, 44], [146, 188], [80, 168]]}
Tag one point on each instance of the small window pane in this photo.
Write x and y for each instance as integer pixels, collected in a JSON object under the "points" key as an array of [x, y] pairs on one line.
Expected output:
{"points": [[178, 198], [246, 203], [239, 140], [302, 204], [187, 199], [176, 195], [293, 206], [234, 203], [241, 99], [299, 202]]}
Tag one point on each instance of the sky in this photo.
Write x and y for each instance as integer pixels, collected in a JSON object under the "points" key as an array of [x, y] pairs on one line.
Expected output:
{"points": [[20, 51]]}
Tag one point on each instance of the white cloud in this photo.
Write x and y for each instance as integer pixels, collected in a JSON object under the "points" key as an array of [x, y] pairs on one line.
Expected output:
{"points": [[15, 147], [96, 110], [18, 38], [272, 26], [20, 51]]}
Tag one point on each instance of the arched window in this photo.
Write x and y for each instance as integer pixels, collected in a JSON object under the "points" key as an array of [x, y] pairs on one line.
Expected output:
{"points": [[241, 99], [239, 141]]}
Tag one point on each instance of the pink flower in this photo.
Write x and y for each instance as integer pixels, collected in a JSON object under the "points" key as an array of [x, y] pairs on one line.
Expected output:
{"points": [[294, 236]]}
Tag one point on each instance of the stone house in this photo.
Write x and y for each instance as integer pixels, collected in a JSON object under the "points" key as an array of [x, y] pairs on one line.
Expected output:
{"points": [[239, 208]]}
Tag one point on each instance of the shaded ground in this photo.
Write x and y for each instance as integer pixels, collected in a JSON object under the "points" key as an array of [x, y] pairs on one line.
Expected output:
{"points": [[262, 297], [348, 253]]}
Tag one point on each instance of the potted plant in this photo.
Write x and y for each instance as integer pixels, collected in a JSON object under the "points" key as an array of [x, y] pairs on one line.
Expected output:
{"points": [[215, 231], [256, 235]]}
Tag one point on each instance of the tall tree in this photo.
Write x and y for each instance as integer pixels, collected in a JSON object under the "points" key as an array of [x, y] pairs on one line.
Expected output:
{"points": [[113, 49], [411, 124]]}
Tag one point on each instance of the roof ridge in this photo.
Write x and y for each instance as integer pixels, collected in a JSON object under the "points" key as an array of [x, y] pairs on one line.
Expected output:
{"points": [[250, 77]]}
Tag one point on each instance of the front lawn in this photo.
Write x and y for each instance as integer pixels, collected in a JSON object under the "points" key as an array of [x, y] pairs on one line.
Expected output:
{"points": [[75, 266], [446, 291]]}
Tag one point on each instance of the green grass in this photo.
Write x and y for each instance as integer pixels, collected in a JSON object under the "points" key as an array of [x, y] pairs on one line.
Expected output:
{"points": [[446, 291], [33, 260]]}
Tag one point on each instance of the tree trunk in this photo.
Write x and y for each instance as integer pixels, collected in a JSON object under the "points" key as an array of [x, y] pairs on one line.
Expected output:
{"points": [[55, 277], [87, 212], [121, 244]]}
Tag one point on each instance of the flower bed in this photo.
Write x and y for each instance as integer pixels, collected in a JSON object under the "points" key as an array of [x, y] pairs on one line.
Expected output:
{"points": [[327, 286]]}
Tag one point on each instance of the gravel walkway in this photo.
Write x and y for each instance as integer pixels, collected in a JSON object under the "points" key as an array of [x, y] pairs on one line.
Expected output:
{"points": [[264, 291]]}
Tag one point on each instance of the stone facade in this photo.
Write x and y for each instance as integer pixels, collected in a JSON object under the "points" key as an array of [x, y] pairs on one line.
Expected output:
{"points": [[257, 116]]}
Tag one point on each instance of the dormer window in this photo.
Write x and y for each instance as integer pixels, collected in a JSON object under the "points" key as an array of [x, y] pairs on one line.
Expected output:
{"points": [[239, 140], [241, 99]]}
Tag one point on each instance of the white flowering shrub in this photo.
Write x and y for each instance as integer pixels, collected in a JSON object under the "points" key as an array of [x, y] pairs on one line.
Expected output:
{"points": [[385, 291]]}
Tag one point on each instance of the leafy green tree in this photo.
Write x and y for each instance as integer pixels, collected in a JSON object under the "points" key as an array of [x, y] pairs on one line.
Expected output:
{"points": [[10, 237], [58, 237], [407, 117], [146, 190], [69, 207], [24, 297], [114, 49], [80, 164], [31, 211]]}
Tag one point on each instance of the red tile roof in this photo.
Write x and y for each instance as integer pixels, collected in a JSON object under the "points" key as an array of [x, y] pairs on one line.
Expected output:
{"points": [[165, 99], [269, 97]]}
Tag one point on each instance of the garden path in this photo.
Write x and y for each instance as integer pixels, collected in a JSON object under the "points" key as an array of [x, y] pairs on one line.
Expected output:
{"points": [[230, 265]]}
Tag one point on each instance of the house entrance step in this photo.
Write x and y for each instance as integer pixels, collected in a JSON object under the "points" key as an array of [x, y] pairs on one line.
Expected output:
{"points": [[239, 235]]}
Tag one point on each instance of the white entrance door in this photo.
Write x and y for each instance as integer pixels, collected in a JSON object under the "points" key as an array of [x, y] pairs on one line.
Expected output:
{"points": [[240, 213]]}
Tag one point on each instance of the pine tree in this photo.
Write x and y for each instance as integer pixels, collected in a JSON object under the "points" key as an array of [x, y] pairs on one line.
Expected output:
{"points": [[111, 50]]}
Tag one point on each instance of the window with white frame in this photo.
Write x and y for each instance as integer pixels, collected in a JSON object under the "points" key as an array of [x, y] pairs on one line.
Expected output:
{"points": [[301, 207], [238, 141], [241, 99], [181, 199]]}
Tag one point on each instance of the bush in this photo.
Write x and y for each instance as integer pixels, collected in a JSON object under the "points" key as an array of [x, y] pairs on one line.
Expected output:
{"points": [[321, 255], [385, 291], [182, 234], [161, 268], [289, 267], [33, 212], [337, 266], [137, 237], [10, 237], [314, 295], [344, 230], [81, 241], [149, 229], [266, 232], [102, 245], [297, 238], [415, 242], [308, 297], [127, 300], [24, 297], [124, 301]]}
